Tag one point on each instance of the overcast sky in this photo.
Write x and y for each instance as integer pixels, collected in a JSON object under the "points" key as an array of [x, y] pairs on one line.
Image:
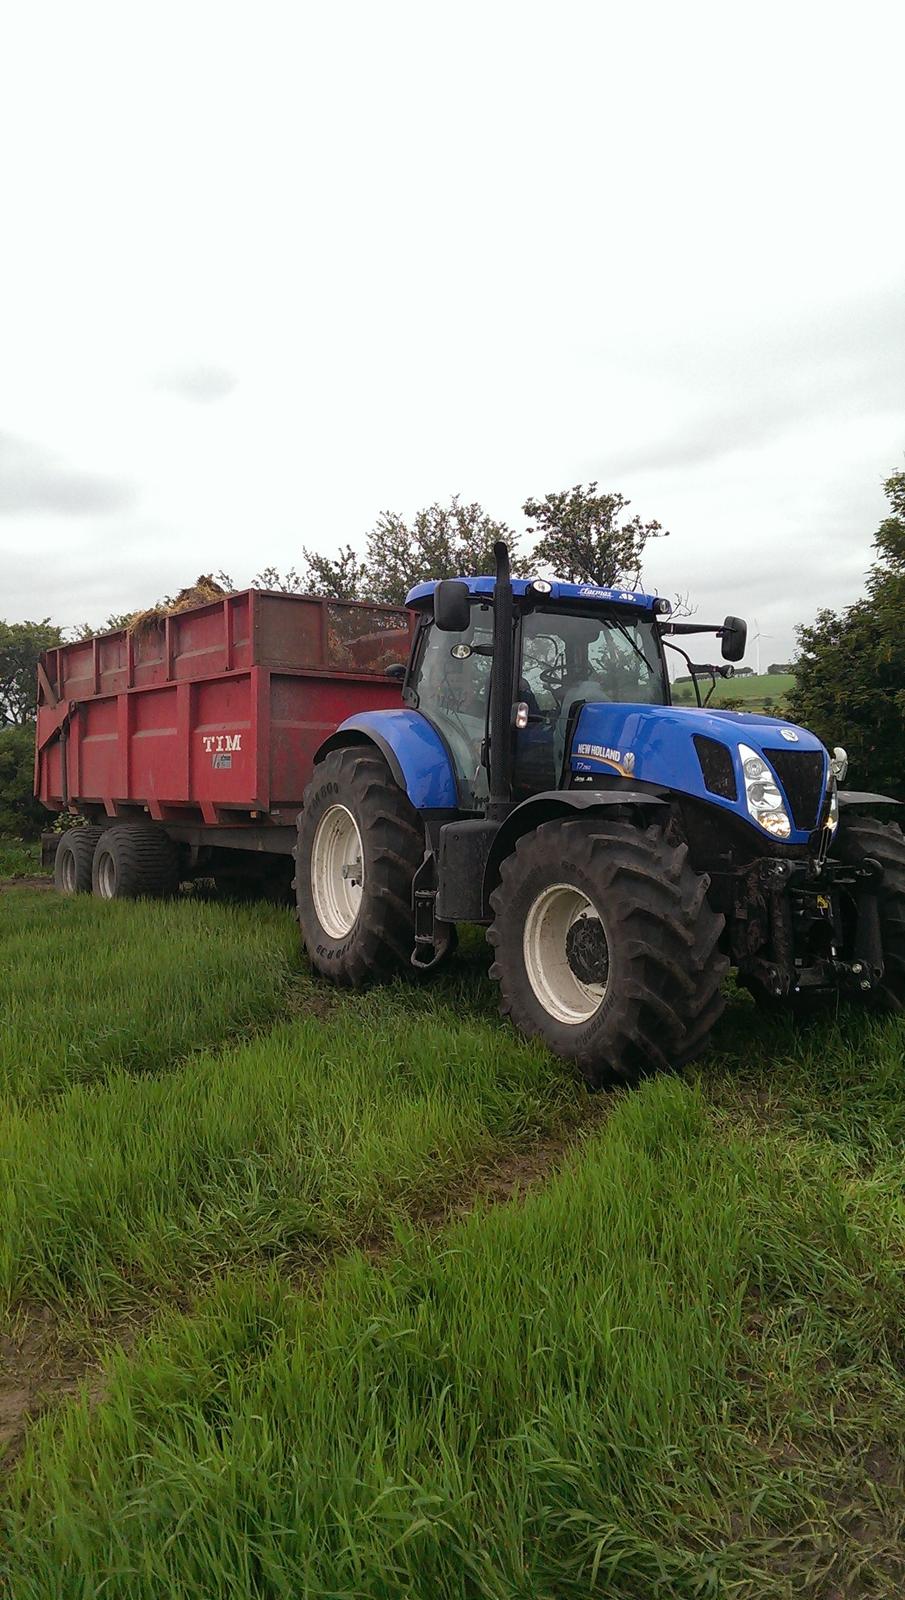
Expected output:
{"points": [[268, 269]]}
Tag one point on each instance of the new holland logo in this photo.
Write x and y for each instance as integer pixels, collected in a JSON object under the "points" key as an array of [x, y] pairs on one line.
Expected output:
{"points": [[624, 764], [790, 734]]}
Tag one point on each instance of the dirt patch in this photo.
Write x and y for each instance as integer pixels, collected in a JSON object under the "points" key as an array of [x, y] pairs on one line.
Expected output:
{"points": [[26, 883], [42, 1362]]}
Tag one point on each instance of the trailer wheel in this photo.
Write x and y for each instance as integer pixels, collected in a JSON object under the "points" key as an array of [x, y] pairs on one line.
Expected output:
{"points": [[135, 861], [73, 859], [360, 842], [605, 946], [858, 839]]}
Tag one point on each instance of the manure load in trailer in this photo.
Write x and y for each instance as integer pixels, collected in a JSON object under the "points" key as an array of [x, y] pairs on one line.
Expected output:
{"points": [[210, 718]]}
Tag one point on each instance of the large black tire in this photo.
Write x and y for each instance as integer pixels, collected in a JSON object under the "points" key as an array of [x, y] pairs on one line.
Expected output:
{"points": [[364, 937], [858, 839], [135, 861], [659, 969], [73, 859]]}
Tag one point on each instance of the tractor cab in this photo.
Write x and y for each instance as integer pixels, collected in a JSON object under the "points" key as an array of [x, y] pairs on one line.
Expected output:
{"points": [[570, 645]]}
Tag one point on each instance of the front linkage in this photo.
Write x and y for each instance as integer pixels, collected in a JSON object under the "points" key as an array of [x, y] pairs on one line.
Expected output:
{"points": [[807, 925]]}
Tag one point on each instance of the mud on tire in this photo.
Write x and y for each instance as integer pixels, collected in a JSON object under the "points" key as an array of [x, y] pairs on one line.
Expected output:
{"points": [[858, 839], [662, 990], [135, 861], [370, 937]]}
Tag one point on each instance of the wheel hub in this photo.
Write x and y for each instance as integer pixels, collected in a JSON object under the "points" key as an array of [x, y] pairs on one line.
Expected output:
{"points": [[586, 951], [337, 871], [566, 955]]}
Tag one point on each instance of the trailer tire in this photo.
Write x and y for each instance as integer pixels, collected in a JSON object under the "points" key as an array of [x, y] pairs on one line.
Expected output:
{"points": [[637, 987], [858, 839], [357, 930], [73, 859], [135, 861]]}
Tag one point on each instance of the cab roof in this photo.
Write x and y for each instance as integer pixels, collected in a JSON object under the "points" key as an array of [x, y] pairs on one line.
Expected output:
{"points": [[422, 594]]}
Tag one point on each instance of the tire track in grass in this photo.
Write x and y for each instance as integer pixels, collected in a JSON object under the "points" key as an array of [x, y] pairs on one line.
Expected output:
{"points": [[47, 1359]]}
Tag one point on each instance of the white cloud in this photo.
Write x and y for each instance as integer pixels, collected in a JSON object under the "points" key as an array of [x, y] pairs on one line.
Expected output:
{"points": [[412, 250]]}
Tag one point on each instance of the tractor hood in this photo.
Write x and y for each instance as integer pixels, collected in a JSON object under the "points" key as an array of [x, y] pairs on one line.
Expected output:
{"points": [[696, 752]]}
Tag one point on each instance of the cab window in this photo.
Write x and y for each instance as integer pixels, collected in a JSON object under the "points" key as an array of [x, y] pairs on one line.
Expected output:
{"points": [[451, 681]]}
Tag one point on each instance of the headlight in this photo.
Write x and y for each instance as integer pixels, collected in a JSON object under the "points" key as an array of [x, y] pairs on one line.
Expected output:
{"points": [[763, 795], [839, 763]]}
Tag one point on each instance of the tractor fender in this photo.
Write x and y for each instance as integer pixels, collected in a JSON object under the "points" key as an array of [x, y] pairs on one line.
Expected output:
{"points": [[413, 750], [553, 803], [854, 797]]}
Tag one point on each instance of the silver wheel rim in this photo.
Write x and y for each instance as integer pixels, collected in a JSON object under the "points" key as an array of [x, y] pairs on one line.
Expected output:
{"points": [[337, 871], [560, 991], [67, 872], [106, 876]]}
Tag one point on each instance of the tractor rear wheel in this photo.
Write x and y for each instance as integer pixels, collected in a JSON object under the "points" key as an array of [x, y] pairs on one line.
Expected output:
{"points": [[858, 839], [72, 862], [135, 861], [360, 843], [606, 947]]}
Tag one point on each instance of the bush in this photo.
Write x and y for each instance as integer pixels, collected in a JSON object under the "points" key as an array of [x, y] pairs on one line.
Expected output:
{"points": [[21, 816], [850, 673]]}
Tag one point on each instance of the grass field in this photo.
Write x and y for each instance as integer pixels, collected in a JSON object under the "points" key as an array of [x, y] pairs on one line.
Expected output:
{"points": [[753, 693], [321, 1295]]}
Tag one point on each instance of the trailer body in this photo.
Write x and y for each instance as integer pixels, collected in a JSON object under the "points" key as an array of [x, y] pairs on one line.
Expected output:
{"points": [[207, 721]]}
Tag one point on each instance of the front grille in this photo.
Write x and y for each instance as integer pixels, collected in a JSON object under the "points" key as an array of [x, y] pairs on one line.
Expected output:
{"points": [[716, 766], [801, 774]]}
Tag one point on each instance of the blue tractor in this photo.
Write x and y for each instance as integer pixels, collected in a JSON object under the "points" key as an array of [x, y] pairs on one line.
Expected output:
{"points": [[623, 852]]}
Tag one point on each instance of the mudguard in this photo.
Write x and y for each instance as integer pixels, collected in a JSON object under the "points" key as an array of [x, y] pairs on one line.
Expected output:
{"points": [[552, 803], [414, 751]]}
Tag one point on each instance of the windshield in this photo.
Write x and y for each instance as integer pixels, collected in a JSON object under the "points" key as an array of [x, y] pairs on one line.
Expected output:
{"points": [[592, 657], [569, 658]]}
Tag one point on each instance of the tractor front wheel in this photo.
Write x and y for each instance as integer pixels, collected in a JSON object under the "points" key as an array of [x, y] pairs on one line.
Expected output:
{"points": [[606, 947], [360, 843]]}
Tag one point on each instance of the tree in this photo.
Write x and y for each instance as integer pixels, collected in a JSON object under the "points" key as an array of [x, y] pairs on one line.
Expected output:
{"points": [[342, 577], [443, 541], [21, 643], [21, 816], [583, 540], [850, 671]]}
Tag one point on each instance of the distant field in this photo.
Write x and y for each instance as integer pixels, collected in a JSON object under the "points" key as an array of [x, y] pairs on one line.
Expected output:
{"points": [[773, 686], [328, 1347]]}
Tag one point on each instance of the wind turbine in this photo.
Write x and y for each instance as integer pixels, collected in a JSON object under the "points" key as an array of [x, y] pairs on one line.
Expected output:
{"points": [[756, 641]]}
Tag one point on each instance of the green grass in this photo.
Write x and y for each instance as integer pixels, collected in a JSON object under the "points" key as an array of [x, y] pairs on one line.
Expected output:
{"points": [[675, 1368], [774, 684], [319, 1134], [91, 988], [20, 858], [751, 692], [134, 1159], [659, 1375]]}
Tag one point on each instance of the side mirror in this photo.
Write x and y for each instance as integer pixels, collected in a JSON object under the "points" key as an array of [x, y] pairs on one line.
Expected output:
{"points": [[734, 634], [452, 608]]}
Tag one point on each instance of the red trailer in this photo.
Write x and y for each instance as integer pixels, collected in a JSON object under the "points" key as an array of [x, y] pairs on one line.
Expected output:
{"points": [[206, 722]]}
